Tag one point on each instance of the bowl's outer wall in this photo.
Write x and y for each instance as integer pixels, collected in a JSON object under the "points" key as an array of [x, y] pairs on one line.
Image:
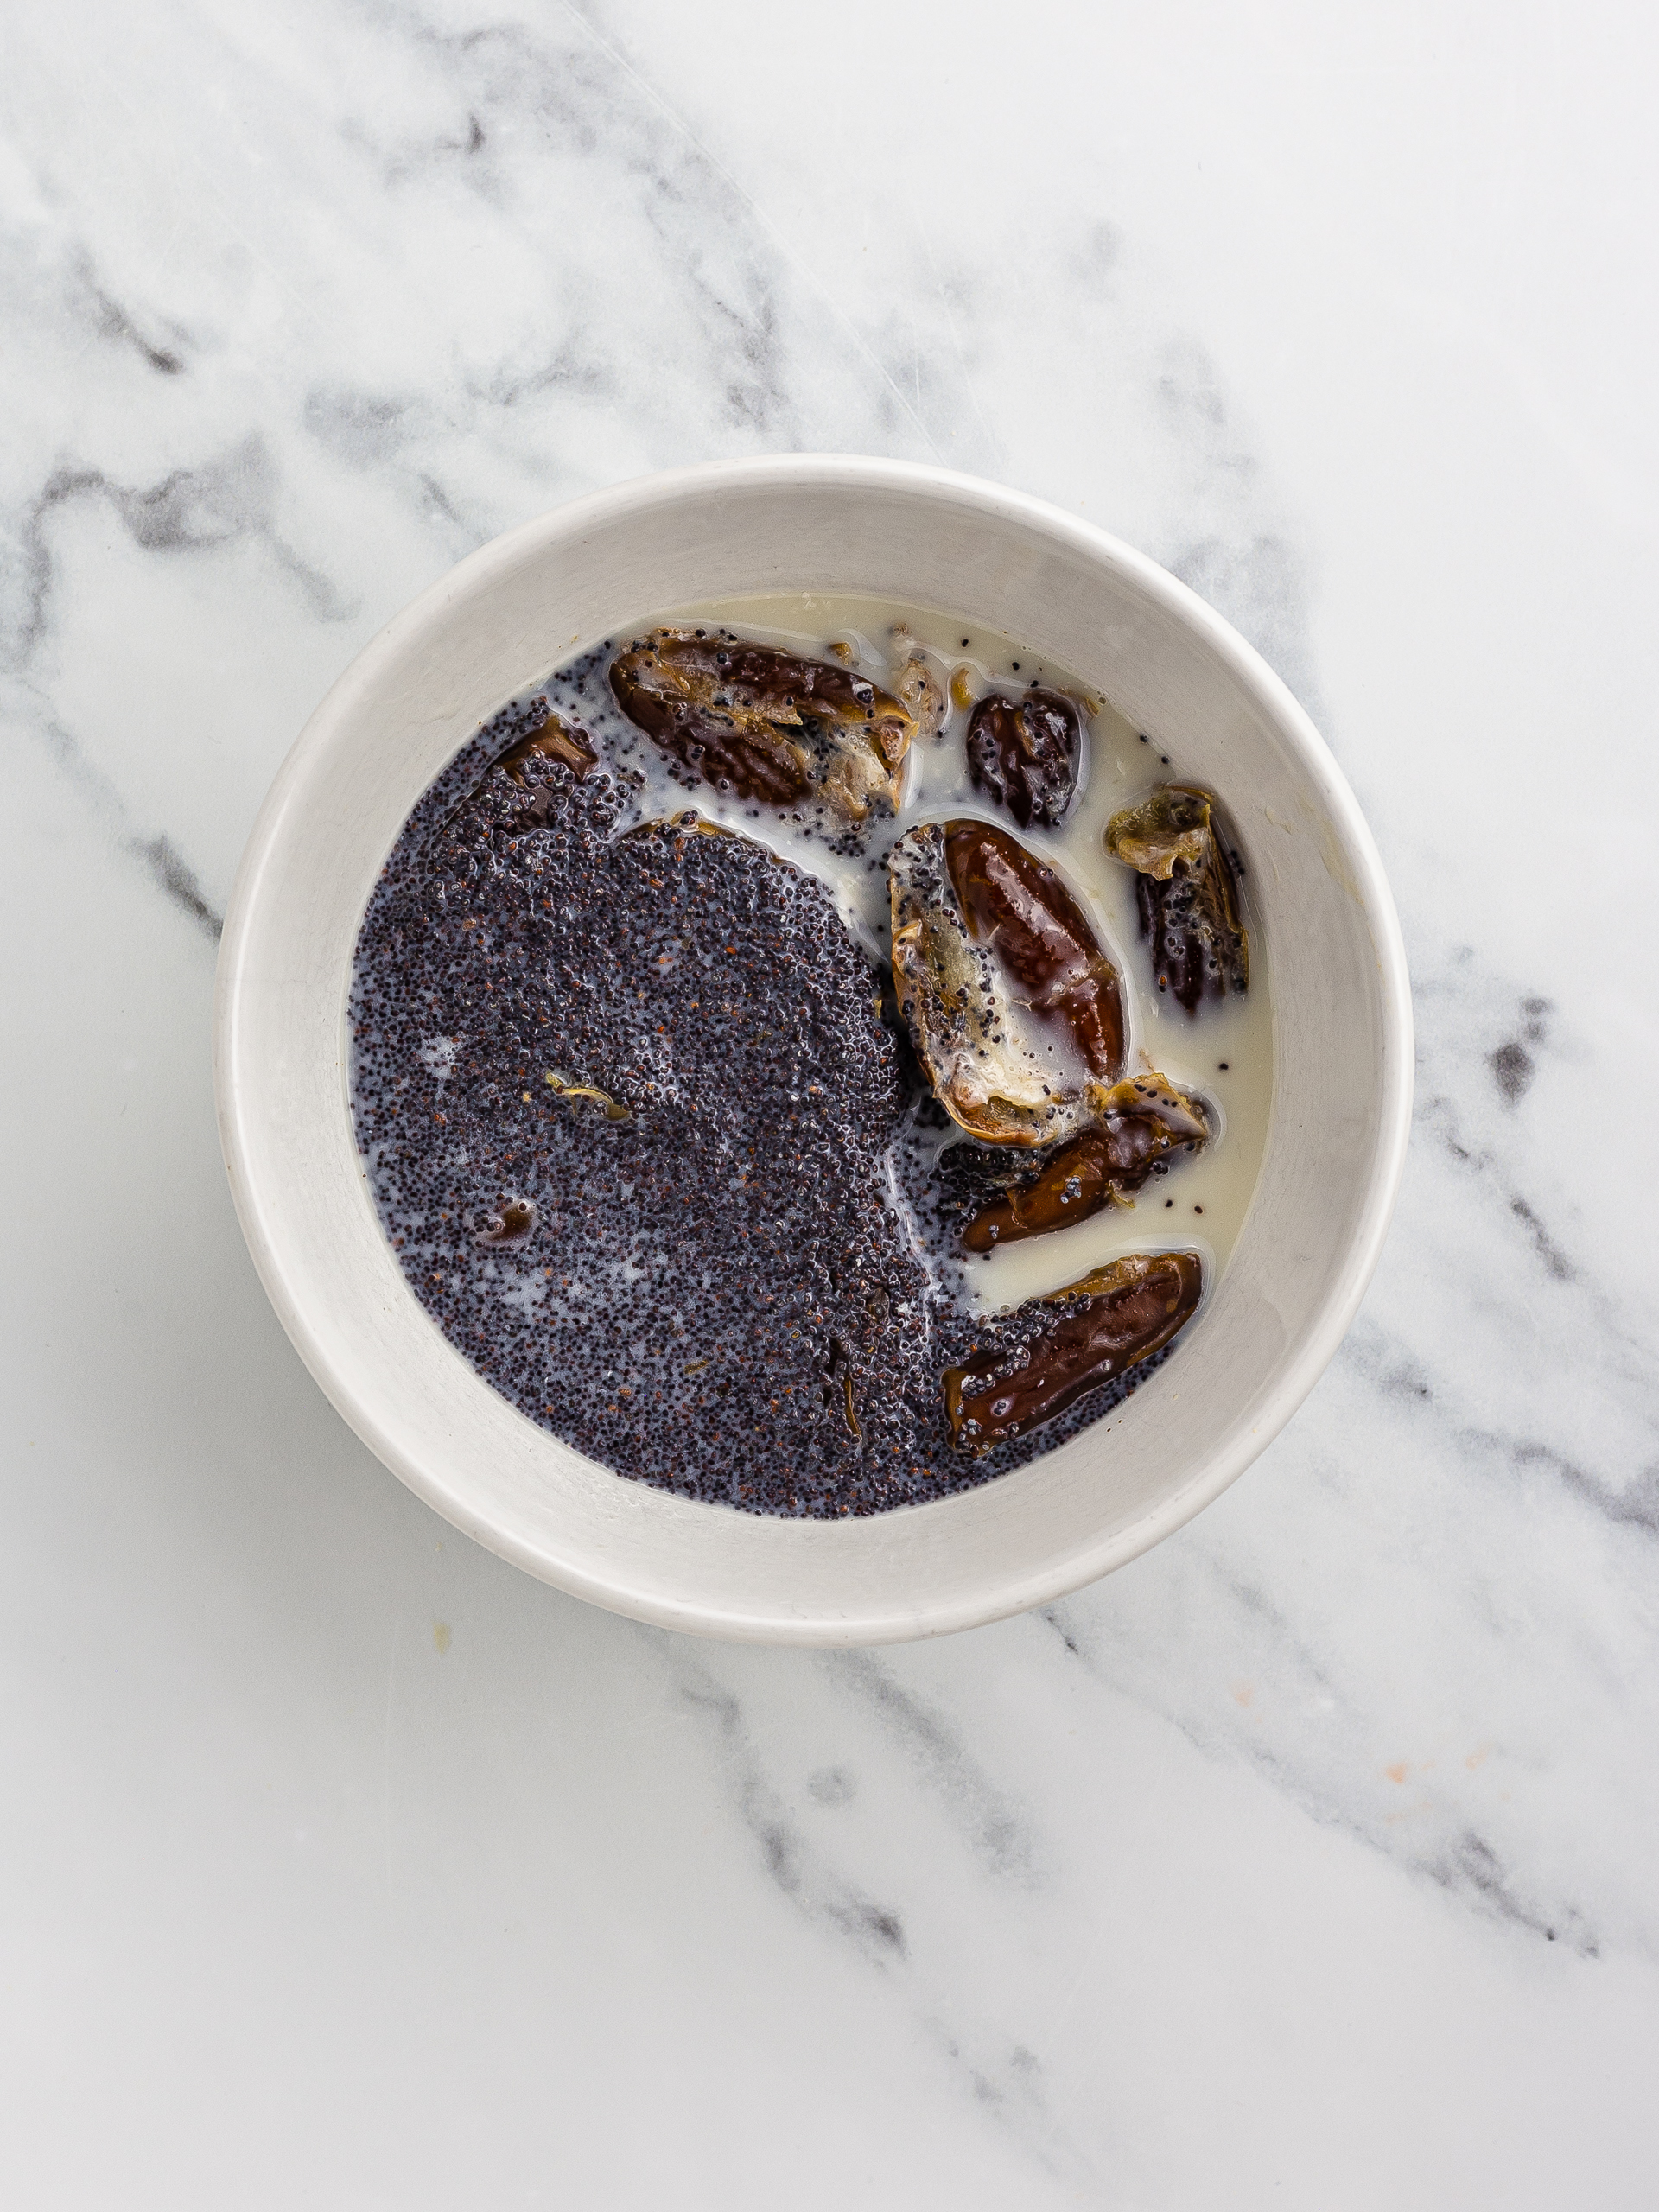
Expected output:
{"points": [[1342, 1044]]}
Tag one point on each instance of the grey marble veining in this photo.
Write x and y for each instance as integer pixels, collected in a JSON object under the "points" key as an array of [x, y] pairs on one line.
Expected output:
{"points": [[1306, 1861]]}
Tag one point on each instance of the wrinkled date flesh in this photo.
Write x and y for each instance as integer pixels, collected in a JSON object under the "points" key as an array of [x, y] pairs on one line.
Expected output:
{"points": [[765, 725], [1023, 752], [1187, 888], [1112, 1320], [1143, 1121], [984, 934], [1017, 905]]}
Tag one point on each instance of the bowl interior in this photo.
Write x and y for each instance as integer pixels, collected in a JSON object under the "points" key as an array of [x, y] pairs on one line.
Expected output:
{"points": [[1341, 1041]]}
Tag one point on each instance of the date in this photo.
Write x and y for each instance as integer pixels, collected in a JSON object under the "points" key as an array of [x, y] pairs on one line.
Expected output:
{"points": [[556, 740], [1113, 1318], [1014, 1010], [765, 725], [1187, 889], [1144, 1122], [1023, 752]]}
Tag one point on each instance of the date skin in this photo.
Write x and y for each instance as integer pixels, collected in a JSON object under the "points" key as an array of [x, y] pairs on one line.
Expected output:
{"points": [[1187, 891], [765, 725], [1023, 752], [1143, 1121], [916, 685], [1115, 1317]]}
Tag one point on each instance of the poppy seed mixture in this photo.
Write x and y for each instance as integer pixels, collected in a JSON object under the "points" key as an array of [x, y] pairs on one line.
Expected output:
{"points": [[666, 1152]]}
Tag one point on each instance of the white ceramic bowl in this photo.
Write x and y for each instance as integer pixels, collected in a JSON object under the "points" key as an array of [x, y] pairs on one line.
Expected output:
{"points": [[1342, 1044]]}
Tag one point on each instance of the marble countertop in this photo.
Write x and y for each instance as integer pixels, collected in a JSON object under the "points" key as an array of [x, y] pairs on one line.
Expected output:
{"points": [[1307, 1862]]}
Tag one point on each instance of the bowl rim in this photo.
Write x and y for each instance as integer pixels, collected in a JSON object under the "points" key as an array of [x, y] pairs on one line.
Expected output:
{"points": [[995, 503]]}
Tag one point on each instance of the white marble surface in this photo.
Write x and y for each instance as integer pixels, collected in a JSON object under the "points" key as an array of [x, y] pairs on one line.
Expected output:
{"points": [[1310, 1861]]}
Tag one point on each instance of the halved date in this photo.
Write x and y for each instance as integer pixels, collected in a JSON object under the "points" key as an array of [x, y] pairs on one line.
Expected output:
{"points": [[1013, 1009], [559, 740], [554, 738], [1143, 1121], [1113, 1318], [763, 724], [1023, 752], [1188, 893]]}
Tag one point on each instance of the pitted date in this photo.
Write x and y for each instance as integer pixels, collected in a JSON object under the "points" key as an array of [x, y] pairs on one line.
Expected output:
{"points": [[1023, 752], [1143, 1121], [1187, 888], [1113, 1318], [1013, 1008], [765, 725], [556, 740]]}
